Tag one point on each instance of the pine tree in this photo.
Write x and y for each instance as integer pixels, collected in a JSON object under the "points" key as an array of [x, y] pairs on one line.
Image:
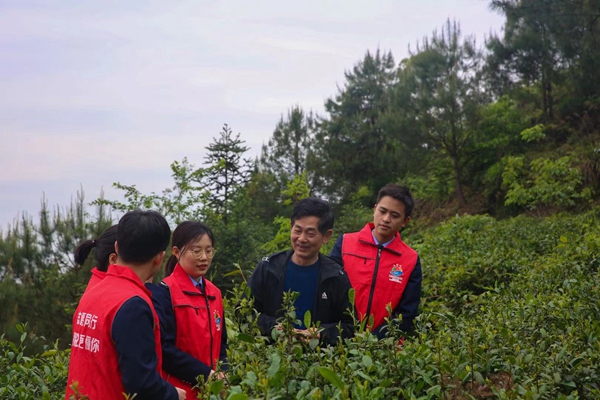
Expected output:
{"points": [[227, 171], [445, 74], [354, 147]]}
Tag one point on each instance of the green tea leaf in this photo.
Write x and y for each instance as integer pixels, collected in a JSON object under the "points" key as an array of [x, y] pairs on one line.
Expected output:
{"points": [[351, 295], [244, 337], [367, 361], [332, 377], [307, 319], [275, 365], [479, 377], [216, 387]]}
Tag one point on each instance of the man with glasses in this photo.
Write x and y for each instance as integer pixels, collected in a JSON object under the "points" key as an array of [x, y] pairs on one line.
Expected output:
{"points": [[321, 283]]}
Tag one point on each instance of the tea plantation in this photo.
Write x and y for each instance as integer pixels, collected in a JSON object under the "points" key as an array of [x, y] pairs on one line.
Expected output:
{"points": [[510, 310]]}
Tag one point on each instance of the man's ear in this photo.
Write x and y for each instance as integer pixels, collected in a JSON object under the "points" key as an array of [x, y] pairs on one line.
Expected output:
{"points": [[112, 258], [158, 259], [406, 221], [327, 236], [116, 253]]}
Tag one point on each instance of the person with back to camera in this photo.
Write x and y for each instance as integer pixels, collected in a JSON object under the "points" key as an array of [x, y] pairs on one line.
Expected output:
{"points": [[116, 347], [382, 268], [321, 283], [190, 310], [104, 256]]}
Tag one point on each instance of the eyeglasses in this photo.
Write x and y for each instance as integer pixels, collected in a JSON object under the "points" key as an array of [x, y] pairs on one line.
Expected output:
{"points": [[197, 253]]}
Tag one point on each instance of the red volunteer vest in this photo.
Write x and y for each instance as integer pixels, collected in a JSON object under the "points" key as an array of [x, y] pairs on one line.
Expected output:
{"points": [[394, 265], [96, 277], [199, 322], [94, 359]]}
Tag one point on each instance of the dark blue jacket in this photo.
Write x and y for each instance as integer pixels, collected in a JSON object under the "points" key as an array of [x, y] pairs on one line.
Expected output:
{"points": [[133, 336]]}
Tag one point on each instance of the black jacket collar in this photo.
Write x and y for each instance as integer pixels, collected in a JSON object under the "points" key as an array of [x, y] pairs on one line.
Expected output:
{"points": [[277, 262]]}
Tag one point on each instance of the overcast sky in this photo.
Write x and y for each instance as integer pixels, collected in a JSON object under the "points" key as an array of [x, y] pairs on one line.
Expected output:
{"points": [[95, 92]]}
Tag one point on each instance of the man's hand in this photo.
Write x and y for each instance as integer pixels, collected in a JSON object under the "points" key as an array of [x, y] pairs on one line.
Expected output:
{"points": [[180, 393], [221, 377], [217, 375], [306, 335]]}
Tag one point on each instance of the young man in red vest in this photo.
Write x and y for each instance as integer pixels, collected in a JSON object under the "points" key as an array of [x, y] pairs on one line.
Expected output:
{"points": [[383, 270], [116, 346]]}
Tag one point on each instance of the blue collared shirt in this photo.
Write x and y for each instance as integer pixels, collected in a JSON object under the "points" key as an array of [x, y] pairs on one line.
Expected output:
{"points": [[377, 242], [199, 282]]}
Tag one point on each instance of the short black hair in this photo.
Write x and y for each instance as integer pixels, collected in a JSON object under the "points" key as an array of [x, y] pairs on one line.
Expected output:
{"points": [[104, 245], [187, 232], [142, 235], [400, 193], [314, 207]]}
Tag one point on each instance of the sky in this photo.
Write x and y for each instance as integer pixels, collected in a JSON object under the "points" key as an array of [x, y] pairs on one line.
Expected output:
{"points": [[97, 92]]}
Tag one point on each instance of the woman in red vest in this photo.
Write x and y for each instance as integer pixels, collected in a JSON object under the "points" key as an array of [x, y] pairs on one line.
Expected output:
{"points": [[105, 254], [190, 310]]}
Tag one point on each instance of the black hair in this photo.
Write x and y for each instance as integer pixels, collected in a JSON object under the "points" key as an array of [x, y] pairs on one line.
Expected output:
{"points": [[187, 232], [400, 193], [142, 235], [314, 207], [104, 245]]}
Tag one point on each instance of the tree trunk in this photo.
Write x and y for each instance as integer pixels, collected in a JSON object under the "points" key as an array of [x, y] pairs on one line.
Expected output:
{"points": [[544, 95], [457, 187], [550, 99]]}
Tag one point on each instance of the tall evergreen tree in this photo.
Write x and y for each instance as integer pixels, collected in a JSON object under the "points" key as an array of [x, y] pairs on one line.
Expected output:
{"points": [[354, 147], [447, 94], [285, 153], [227, 170], [548, 42], [283, 158]]}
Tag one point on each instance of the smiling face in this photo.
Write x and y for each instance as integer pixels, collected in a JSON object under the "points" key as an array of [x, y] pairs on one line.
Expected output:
{"points": [[193, 257], [389, 217], [307, 240]]}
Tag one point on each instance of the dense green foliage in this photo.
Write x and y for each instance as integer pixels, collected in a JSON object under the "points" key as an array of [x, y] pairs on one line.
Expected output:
{"points": [[43, 376]]}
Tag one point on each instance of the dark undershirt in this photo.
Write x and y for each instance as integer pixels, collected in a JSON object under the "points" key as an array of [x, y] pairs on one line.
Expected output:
{"points": [[302, 279]]}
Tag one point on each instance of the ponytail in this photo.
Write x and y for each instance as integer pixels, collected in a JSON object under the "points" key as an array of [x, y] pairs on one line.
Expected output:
{"points": [[170, 265], [83, 251], [104, 245]]}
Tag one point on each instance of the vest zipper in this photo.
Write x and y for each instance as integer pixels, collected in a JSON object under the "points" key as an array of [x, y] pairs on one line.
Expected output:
{"points": [[374, 281]]}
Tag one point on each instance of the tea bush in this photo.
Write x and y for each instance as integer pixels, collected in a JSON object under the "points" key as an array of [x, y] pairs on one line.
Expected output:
{"points": [[39, 377]]}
